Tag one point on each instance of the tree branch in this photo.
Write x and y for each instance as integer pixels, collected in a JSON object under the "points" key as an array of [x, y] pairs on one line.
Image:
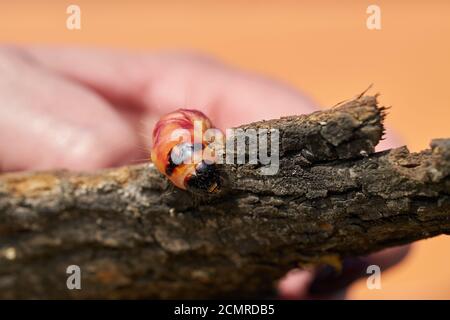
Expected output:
{"points": [[135, 236]]}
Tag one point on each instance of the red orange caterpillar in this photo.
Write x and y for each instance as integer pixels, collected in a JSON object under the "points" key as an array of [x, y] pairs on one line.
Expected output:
{"points": [[178, 153]]}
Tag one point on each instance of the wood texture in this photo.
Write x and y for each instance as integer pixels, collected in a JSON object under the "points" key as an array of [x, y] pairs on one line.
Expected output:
{"points": [[135, 236]]}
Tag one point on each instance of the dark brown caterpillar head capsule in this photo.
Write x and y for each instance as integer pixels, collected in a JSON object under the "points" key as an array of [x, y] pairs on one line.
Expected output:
{"points": [[205, 178]]}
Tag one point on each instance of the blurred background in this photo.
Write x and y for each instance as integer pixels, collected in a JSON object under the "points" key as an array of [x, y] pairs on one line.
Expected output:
{"points": [[322, 47]]}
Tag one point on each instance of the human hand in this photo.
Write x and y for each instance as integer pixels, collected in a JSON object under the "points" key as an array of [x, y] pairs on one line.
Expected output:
{"points": [[86, 109]]}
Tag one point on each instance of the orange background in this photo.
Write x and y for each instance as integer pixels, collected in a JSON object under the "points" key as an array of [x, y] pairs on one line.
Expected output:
{"points": [[322, 47]]}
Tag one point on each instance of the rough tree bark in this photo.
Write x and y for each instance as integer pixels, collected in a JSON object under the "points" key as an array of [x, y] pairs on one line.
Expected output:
{"points": [[136, 236]]}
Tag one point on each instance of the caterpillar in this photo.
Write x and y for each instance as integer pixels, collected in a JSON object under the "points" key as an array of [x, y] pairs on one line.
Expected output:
{"points": [[180, 156]]}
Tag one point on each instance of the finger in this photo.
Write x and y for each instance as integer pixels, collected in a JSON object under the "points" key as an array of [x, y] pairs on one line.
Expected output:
{"points": [[47, 121], [328, 281], [163, 82], [295, 284], [389, 257]]}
